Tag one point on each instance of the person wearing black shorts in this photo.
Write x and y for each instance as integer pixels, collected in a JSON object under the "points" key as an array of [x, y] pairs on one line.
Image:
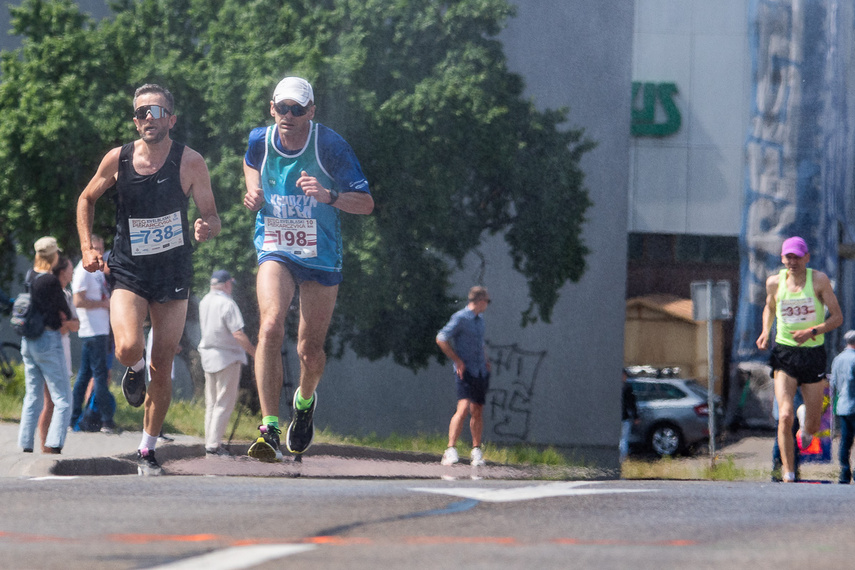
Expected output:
{"points": [[154, 179], [797, 299], [462, 340]]}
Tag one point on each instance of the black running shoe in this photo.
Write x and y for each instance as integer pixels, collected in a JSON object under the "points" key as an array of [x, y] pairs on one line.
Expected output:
{"points": [[266, 447], [301, 431], [147, 465], [133, 386]]}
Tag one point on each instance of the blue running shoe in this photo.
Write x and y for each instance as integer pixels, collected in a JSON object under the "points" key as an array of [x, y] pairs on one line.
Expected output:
{"points": [[301, 431]]}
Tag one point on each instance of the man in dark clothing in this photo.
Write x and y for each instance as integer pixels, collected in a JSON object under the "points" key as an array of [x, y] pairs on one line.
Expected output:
{"points": [[628, 415]]}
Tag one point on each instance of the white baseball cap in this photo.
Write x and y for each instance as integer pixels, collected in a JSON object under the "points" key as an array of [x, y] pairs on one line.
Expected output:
{"points": [[46, 245], [296, 89]]}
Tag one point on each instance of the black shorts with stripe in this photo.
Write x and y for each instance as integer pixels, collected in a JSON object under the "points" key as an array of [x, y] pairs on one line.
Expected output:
{"points": [[805, 364]]}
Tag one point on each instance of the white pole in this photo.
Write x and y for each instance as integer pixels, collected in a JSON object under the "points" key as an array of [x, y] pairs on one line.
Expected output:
{"points": [[711, 372]]}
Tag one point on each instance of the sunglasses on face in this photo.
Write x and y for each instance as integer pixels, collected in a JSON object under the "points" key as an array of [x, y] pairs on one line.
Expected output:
{"points": [[157, 112], [296, 110]]}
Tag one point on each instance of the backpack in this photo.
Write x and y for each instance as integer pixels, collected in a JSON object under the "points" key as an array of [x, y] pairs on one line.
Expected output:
{"points": [[26, 320]]}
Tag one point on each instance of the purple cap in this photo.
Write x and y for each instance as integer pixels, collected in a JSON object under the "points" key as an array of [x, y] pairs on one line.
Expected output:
{"points": [[794, 245]]}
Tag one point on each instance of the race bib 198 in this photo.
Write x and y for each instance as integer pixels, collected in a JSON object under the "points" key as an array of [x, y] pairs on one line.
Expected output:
{"points": [[798, 310], [150, 236], [297, 236]]}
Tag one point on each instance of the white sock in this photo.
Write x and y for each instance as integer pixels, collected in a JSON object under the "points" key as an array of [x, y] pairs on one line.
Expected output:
{"points": [[148, 441], [789, 477], [139, 365]]}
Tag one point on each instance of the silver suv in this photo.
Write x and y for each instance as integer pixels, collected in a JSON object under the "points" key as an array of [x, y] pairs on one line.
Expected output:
{"points": [[673, 414]]}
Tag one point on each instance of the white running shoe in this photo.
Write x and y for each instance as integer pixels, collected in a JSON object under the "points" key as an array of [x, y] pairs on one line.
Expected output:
{"points": [[804, 437], [449, 457], [476, 459]]}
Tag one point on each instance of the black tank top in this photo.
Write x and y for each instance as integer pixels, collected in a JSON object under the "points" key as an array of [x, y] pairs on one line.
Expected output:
{"points": [[152, 233]]}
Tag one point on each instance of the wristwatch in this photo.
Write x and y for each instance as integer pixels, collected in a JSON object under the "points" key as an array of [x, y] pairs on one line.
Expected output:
{"points": [[814, 332], [333, 197]]}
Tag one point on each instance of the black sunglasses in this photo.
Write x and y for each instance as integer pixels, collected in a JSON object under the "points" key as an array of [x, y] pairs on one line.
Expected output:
{"points": [[296, 110], [156, 111]]}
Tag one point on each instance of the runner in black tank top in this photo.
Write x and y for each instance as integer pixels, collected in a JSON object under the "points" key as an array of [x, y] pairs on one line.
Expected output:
{"points": [[152, 180], [152, 252]]}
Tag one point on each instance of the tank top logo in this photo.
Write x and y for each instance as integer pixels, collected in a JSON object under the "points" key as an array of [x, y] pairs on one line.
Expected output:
{"points": [[292, 206]]}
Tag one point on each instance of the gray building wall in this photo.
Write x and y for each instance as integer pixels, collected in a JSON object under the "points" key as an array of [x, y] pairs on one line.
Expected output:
{"points": [[560, 384]]}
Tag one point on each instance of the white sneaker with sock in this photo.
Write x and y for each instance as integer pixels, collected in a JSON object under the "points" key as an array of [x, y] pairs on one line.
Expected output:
{"points": [[804, 437], [450, 457]]}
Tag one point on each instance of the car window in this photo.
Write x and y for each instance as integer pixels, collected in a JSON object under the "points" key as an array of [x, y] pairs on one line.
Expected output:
{"points": [[669, 392], [696, 388], [647, 391], [643, 391]]}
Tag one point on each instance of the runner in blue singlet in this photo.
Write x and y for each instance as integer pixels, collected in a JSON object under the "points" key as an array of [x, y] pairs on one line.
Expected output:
{"points": [[299, 176]]}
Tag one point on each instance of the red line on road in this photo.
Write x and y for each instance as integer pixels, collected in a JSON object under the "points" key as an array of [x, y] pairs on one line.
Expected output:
{"points": [[340, 541], [147, 538], [335, 540]]}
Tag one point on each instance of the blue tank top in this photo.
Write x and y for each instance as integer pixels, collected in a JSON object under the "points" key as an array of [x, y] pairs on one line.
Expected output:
{"points": [[292, 224]]}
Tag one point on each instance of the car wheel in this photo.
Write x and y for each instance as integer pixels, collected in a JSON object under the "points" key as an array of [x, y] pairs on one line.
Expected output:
{"points": [[666, 440]]}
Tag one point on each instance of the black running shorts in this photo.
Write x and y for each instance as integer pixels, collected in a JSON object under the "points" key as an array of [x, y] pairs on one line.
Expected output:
{"points": [[805, 364], [155, 292]]}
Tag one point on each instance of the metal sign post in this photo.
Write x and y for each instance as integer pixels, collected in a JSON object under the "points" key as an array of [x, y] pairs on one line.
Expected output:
{"points": [[711, 302]]}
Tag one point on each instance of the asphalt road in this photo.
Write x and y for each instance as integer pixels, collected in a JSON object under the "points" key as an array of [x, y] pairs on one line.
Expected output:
{"points": [[226, 522]]}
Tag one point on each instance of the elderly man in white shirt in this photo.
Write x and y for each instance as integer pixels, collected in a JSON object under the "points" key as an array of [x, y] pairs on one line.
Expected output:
{"points": [[222, 350]]}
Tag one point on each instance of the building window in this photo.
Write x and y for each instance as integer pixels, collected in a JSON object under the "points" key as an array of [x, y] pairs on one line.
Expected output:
{"points": [[683, 248]]}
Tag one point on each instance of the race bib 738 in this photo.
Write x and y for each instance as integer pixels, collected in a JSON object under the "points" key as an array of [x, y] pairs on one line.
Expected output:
{"points": [[150, 236]]}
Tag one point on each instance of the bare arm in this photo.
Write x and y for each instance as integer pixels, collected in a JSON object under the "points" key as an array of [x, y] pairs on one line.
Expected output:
{"points": [[244, 342], [825, 293], [254, 198], [447, 350], [70, 325], [104, 178], [350, 202], [768, 311], [82, 302], [196, 182]]}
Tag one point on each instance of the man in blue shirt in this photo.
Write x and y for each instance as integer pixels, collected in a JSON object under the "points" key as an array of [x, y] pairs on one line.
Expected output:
{"points": [[462, 340], [299, 176], [843, 385]]}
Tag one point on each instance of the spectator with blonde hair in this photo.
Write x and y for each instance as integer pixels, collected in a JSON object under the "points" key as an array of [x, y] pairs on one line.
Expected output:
{"points": [[43, 355]]}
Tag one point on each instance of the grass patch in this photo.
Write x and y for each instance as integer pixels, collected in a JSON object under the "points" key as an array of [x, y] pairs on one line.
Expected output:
{"points": [[724, 469], [188, 417]]}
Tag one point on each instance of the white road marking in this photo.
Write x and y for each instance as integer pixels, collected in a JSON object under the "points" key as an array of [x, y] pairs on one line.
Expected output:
{"points": [[54, 478], [237, 557], [524, 493]]}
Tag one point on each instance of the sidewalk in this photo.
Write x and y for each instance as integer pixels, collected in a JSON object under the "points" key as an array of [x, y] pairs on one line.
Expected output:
{"points": [[87, 453], [102, 454], [751, 451]]}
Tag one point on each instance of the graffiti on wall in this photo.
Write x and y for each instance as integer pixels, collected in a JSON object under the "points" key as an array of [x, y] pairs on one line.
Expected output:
{"points": [[512, 383]]}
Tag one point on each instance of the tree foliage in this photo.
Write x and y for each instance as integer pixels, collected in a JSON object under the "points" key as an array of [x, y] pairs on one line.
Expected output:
{"points": [[420, 88]]}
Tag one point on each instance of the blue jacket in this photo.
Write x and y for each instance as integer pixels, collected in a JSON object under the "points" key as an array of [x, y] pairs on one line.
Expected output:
{"points": [[843, 382]]}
